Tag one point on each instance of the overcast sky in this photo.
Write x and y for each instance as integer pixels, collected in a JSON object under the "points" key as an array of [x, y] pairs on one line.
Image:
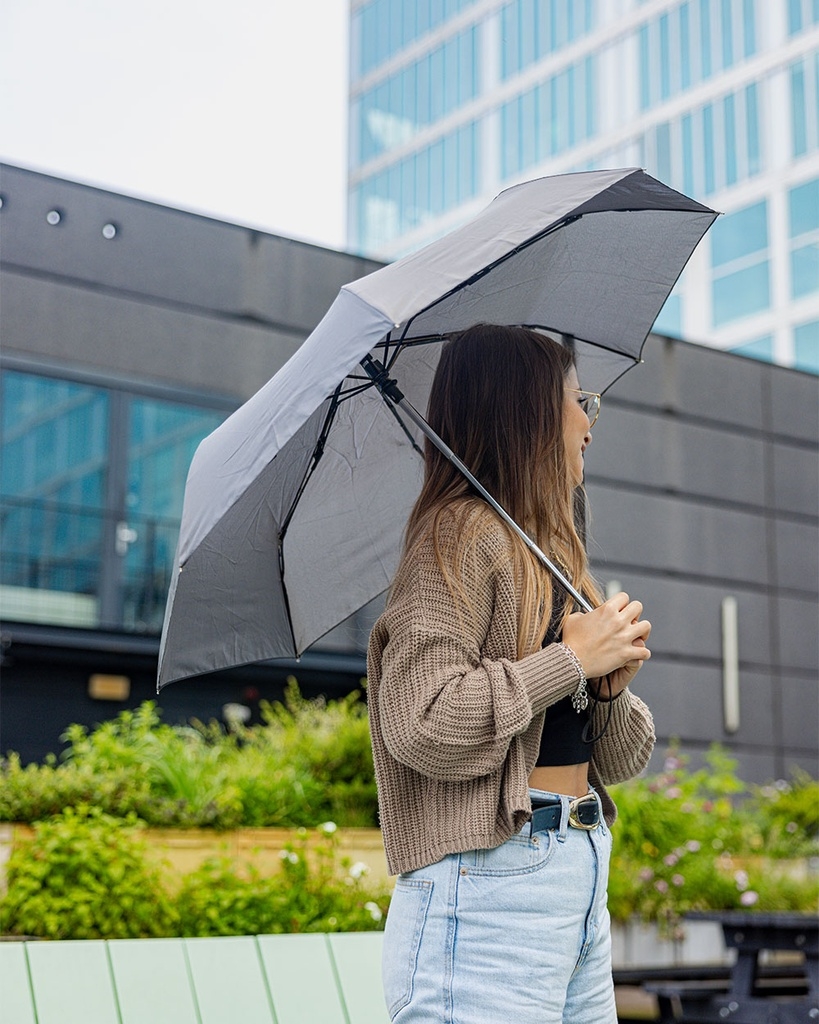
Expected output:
{"points": [[236, 109]]}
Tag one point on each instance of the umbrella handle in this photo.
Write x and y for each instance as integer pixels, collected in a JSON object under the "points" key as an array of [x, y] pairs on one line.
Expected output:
{"points": [[392, 394]]}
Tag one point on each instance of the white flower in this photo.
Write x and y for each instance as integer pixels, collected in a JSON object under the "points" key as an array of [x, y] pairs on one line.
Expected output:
{"points": [[328, 828], [374, 909], [289, 856], [359, 869]]}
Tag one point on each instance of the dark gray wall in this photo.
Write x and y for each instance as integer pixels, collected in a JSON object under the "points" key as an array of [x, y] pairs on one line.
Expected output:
{"points": [[173, 298], [703, 479], [702, 476]]}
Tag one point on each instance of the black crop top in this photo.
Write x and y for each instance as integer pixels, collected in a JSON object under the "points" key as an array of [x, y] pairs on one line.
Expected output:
{"points": [[561, 741]]}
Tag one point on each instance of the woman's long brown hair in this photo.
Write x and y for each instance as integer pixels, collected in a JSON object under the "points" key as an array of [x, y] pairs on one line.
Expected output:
{"points": [[497, 401]]}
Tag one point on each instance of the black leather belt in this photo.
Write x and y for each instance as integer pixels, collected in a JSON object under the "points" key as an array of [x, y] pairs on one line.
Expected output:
{"points": [[584, 813]]}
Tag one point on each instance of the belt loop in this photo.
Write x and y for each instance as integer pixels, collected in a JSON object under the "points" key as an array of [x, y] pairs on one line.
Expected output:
{"points": [[564, 819]]}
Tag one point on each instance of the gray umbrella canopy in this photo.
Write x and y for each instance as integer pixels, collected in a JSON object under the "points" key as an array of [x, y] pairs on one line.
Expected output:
{"points": [[295, 506]]}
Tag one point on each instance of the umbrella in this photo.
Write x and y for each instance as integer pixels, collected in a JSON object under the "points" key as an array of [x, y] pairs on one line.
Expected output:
{"points": [[294, 507]]}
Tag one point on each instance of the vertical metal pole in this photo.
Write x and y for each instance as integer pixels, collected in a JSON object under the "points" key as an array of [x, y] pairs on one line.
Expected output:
{"points": [[730, 665]]}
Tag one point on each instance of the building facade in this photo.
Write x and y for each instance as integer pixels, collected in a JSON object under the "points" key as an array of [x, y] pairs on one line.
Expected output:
{"points": [[453, 100], [129, 330]]}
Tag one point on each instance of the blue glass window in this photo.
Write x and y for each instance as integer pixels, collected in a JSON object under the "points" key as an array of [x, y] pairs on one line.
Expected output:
{"points": [[806, 346], [752, 130], [802, 14], [804, 269], [531, 29], [759, 348], [665, 59], [54, 441], [730, 129], [798, 110], [688, 43], [804, 82], [390, 114], [549, 118], [739, 234], [709, 157], [740, 294], [803, 208], [645, 67], [685, 45], [726, 31], [705, 38], [382, 28], [739, 256], [748, 28], [669, 321], [91, 506], [414, 190], [803, 225]]}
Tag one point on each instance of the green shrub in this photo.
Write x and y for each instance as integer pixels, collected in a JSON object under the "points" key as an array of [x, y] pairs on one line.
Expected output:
{"points": [[309, 894], [309, 761], [84, 876], [702, 840]]}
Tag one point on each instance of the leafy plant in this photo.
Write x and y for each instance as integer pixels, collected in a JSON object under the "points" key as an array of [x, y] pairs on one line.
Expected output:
{"points": [[699, 840], [309, 761], [84, 876], [309, 894]]}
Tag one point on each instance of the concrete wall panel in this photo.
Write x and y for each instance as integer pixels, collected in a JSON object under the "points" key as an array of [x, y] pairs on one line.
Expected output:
{"points": [[675, 536], [107, 333], [799, 637], [797, 557], [800, 716], [795, 479]]}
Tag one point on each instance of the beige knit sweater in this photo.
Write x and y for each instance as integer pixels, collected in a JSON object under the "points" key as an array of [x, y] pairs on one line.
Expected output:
{"points": [[456, 719]]}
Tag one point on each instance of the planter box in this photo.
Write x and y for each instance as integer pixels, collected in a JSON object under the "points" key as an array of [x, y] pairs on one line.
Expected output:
{"points": [[181, 851], [635, 944]]}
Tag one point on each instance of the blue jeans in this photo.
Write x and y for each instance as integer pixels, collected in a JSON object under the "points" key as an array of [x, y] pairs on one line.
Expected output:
{"points": [[520, 932]]}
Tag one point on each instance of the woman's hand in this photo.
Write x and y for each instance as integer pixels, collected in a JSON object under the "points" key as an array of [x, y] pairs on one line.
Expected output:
{"points": [[610, 641]]}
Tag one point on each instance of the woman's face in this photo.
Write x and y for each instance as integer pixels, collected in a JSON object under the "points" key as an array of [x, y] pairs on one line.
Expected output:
{"points": [[576, 430]]}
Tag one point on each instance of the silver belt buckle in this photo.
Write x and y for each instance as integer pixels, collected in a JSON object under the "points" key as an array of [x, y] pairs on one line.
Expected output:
{"points": [[574, 806]]}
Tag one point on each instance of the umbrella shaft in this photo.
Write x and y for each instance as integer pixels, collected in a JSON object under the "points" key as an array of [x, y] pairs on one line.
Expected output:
{"points": [[445, 450]]}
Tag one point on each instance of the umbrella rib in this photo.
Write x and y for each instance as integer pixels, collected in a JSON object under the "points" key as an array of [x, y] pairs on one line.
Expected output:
{"points": [[318, 451], [390, 391], [556, 226]]}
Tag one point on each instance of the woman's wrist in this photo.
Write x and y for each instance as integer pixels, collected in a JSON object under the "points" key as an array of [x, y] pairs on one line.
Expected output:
{"points": [[580, 697]]}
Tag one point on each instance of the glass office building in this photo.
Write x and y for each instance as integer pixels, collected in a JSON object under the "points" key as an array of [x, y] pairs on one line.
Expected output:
{"points": [[453, 100]]}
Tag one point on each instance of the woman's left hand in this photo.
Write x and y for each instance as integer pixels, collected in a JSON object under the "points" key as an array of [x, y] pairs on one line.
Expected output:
{"points": [[620, 678]]}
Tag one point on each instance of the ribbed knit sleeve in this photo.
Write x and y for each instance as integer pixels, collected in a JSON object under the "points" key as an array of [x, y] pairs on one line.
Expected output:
{"points": [[625, 748], [449, 706]]}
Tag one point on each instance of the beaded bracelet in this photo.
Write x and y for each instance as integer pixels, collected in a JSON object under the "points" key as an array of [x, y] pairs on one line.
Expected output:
{"points": [[580, 697]]}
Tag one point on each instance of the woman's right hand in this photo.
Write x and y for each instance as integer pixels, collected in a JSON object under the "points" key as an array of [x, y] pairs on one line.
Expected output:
{"points": [[608, 637]]}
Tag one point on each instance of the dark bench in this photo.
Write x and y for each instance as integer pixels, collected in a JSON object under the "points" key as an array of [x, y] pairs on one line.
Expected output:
{"points": [[754, 990]]}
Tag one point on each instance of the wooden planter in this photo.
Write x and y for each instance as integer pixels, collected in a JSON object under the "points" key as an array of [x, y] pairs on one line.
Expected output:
{"points": [[180, 850]]}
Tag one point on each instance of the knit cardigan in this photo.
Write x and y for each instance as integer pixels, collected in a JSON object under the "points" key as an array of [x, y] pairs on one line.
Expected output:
{"points": [[456, 718]]}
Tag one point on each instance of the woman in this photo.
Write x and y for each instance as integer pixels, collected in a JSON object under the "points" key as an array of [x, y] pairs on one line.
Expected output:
{"points": [[498, 715]]}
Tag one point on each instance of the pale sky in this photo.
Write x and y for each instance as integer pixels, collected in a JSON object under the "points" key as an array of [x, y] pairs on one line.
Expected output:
{"points": [[232, 108]]}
